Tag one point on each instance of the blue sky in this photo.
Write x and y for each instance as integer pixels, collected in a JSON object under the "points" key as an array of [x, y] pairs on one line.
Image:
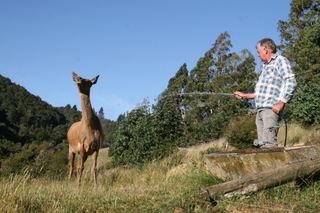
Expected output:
{"points": [[135, 46]]}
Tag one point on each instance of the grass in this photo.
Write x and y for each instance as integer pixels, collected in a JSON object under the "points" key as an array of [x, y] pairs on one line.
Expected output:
{"points": [[297, 135], [153, 188], [169, 185]]}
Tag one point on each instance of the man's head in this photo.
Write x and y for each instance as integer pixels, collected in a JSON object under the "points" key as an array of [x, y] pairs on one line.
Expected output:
{"points": [[266, 48]]}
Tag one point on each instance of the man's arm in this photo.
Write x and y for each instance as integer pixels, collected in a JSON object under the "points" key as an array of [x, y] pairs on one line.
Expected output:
{"points": [[289, 86], [288, 79], [241, 95]]}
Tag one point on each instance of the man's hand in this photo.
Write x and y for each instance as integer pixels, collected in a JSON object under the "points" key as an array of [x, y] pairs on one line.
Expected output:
{"points": [[278, 107], [241, 95]]}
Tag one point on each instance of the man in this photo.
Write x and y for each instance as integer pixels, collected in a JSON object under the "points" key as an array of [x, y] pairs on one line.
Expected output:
{"points": [[273, 90]]}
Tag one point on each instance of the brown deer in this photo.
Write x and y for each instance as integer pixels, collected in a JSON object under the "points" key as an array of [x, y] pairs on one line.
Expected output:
{"points": [[85, 137]]}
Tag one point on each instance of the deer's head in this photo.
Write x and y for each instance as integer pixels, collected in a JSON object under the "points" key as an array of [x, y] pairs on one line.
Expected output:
{"points": [[83, 84]]}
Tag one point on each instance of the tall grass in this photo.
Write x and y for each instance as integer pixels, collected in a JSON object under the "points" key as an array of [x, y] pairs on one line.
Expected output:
{"points": [[156, 187], [297, 135], [169, 185]]}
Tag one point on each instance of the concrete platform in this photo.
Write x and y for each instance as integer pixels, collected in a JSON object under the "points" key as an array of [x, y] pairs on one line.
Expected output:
{"points": [[240, 163]]}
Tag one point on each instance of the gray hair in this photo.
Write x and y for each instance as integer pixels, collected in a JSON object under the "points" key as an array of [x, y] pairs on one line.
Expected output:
{"points": [[269, 44]]}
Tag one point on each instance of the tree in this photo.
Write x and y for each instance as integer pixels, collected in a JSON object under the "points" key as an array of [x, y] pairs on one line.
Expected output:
{"points": [[219, 71], [128, 138], [145, 135], [178, 83], [305, 105], [198, 121], [101, 114], [167, 127], [120, 118], [300, 38], [176, 88], [109, 128]]}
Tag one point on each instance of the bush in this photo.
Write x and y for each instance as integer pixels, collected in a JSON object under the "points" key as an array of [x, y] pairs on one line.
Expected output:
{"points": [[144, 136], [45, 159], [305, 103], [241, 132]]}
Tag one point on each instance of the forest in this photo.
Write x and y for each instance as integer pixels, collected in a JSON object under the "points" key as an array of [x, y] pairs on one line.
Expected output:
{"points": [[193, 109]]}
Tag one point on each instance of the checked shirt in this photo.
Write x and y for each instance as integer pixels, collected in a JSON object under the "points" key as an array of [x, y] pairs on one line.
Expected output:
{"points": [[276, 82]]}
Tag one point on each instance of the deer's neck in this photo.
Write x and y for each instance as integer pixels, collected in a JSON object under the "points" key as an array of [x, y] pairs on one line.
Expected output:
{"points": [[87, 112]]}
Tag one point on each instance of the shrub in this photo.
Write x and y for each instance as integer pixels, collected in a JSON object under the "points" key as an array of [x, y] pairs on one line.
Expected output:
{"points": [[305, 104], [241, 131], [144, 136]]}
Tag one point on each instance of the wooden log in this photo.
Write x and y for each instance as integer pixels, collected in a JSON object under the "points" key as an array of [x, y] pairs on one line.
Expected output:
{"points": [[264, 179]]}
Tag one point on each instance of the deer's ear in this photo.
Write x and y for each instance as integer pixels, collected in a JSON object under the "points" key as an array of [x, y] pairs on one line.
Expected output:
{"points": [[93, 81], [74, 76]]}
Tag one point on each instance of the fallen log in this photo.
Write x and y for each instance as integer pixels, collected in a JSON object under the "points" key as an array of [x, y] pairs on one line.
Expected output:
{"points": [[265, 179]]}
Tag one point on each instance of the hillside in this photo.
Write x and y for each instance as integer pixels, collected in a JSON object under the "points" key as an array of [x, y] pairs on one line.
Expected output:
{"points": [[25, 118], [30, 126]]}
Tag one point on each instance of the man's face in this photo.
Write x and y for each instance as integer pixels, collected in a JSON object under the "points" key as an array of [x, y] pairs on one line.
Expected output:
{"points": [[262, 53]]}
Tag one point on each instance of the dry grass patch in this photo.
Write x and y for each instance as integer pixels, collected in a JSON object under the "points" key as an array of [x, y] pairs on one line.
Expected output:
{"points": [[297, 135]]}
